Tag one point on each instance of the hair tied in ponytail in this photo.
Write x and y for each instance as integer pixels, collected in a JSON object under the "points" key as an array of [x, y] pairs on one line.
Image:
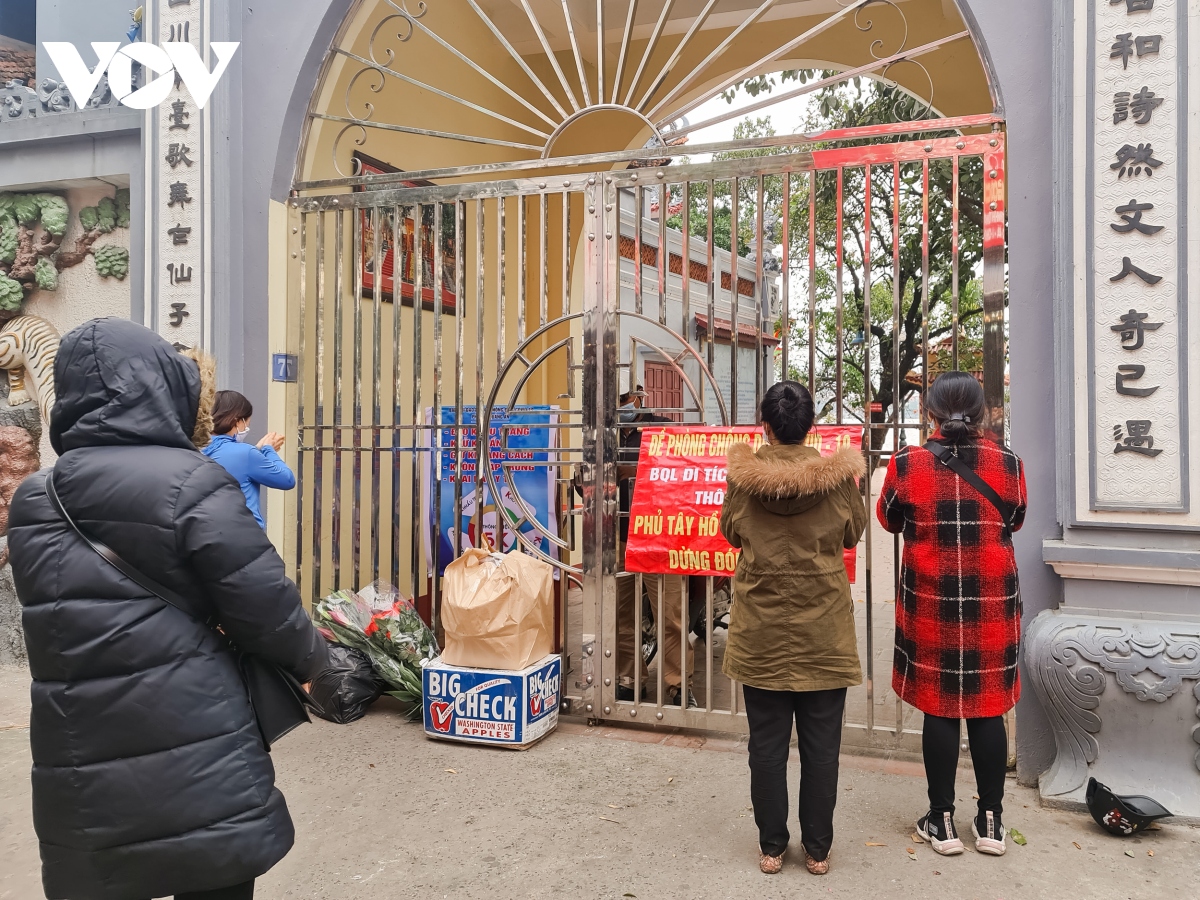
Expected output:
{"points": [[955, 400]]}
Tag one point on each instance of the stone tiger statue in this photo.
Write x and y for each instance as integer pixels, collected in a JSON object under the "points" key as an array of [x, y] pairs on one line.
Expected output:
{"points": [[28, 347]]}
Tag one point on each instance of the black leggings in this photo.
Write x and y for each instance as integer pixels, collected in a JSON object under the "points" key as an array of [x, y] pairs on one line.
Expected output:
{"points": [[989, 753]]}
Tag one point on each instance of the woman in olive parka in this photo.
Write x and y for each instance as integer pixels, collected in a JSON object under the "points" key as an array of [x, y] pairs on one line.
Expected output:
{"points": [[792, 640]]}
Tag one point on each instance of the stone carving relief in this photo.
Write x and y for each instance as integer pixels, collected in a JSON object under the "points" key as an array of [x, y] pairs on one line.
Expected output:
{"points": [[18, 460], [28, 349], [32, 230], [1069, 660], [51, 96], [1196, 729]]}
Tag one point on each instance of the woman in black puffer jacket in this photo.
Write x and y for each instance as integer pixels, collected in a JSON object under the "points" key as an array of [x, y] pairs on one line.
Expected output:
{"points": [[149, 774]]}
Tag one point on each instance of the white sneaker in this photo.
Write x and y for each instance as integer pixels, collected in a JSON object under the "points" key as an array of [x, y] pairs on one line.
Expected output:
{"points": [[941, 836], [991, 841]]}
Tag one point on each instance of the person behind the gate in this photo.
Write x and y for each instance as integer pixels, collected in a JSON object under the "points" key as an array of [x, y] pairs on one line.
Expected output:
{"points": [[792, 641], [675, 653], [958, 615]]}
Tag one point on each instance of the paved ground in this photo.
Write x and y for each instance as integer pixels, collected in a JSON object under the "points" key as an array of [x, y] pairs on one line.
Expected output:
{"points": [[381, 812]]}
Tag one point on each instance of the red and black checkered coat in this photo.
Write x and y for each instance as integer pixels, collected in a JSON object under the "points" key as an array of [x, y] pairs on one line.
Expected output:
{"points": [[958, 616]]}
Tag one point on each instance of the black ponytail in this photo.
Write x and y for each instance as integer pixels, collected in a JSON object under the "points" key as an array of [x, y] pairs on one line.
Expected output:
{"points": [[788, 408], [956, 401]]}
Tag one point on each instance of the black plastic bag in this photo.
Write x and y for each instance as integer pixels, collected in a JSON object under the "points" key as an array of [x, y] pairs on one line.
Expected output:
{"points": [[347, 687]]}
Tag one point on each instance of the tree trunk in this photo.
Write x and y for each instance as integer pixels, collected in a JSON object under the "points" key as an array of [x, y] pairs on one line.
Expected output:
{"points": [[77, 254], [26, 259]]}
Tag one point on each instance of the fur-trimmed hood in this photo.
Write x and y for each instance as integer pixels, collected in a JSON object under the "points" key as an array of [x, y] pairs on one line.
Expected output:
{"points": [[791, 478], [202, 432]]}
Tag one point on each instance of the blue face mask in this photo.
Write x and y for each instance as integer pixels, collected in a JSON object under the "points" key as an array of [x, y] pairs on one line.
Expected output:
{"points": [[628, 412]]}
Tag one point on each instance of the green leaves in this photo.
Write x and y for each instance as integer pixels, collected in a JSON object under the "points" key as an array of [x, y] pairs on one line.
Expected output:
{"points": [[11, 294], [112, 262], [26, 209], [765, 84], [54, 213], [110, 213], [89, 218], [8, 238], [106, 210], [122, 204], [101, 217], [46, 275]]}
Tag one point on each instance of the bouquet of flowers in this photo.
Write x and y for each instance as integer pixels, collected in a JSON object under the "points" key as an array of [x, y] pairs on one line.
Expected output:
{"points": [[384, 625]]}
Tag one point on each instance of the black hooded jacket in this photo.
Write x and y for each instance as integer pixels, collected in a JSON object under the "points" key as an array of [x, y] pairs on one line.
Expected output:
{"points": [[149, 775]]}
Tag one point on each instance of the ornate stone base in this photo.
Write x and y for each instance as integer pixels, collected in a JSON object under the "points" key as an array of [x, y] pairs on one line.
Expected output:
{"points": [[12, 639], [1123, 696]]}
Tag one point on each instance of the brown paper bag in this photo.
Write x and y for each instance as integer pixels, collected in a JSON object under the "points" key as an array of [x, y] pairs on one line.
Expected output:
{"points": [[498, 611]]}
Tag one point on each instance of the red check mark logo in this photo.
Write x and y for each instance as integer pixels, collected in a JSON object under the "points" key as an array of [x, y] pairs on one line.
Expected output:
{"points": [[535, 704], [442, 713]]}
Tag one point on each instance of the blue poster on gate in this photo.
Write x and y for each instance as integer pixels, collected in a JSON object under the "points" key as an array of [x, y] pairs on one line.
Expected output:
{"points": [[520, 448]]}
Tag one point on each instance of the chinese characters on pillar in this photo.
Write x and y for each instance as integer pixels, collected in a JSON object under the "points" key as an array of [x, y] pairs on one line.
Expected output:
{"points": [[179, 215], [1136, 254]]}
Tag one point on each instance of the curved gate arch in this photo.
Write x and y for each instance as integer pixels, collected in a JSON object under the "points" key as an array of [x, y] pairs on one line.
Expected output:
{"points": [[487, 82]]}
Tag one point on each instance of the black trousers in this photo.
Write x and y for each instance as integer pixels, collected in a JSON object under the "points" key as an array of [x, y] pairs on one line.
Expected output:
{"points": [[818, 718], [989, 753], [244, 891]]}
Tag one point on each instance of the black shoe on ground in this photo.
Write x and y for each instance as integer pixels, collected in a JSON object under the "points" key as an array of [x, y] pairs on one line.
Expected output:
{"points": [[989, 833], [937, 829], [673, 698], [625, 693]]}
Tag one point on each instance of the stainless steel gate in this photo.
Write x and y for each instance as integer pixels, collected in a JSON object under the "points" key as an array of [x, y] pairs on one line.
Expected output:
{"points": [[863, 271]]}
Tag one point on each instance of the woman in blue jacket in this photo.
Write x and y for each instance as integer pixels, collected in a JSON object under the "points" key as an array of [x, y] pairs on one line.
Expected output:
{"points": [[254, 467]]}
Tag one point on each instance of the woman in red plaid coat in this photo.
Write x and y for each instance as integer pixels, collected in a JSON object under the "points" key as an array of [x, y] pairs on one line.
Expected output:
{"points": [[958, 616]]}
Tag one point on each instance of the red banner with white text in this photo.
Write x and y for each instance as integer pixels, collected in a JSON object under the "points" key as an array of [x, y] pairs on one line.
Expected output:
{"points": [[674, 519]]}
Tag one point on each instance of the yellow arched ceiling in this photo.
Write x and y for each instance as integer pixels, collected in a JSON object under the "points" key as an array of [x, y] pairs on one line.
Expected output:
{"points": [[403, 78]]}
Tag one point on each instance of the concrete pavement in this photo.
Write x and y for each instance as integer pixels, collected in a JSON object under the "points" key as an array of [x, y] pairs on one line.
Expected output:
{"points": [[382, 812]]}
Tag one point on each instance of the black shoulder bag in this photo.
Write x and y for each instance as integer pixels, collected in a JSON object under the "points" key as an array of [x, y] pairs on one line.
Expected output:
{"points": [[947, 458], [278, 700]]}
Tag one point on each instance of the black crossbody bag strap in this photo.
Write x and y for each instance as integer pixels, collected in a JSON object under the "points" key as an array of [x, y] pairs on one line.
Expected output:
{"points": [[110, 556], [278, 700], [947, 458]]}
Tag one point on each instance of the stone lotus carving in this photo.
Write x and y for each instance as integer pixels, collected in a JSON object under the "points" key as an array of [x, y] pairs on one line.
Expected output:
{"points": [[1069, 660]]}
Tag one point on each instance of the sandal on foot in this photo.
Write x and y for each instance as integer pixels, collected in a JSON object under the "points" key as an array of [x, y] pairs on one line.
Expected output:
{"points": [[770, 865], [816, 867]]}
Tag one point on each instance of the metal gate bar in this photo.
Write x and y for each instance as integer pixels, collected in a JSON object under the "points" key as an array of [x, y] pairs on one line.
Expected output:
{"points": [[868, 560]]}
